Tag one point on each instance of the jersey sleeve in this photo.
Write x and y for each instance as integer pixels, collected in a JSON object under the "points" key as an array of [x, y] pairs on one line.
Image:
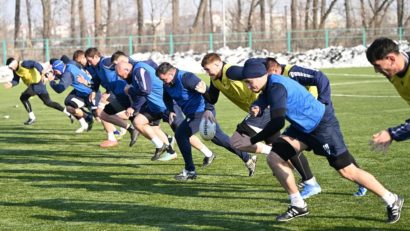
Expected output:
{"points": [[400, 132], [310, 77], [32, 64]]}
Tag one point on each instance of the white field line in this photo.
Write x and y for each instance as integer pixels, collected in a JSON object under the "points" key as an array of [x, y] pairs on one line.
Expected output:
{"points": [[359, 82], [350, 74], [366, 96]]}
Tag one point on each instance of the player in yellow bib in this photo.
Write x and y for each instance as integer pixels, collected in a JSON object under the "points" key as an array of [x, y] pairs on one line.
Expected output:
{"points": [[31, 73], [386, 58]]}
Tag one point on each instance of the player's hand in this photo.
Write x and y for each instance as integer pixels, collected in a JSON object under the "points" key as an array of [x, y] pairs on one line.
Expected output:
{"points": [[91, 97], [381, 141], [208, 115], [50, 76], [171, 117], [129, 112], [201, 87], [8, 85], [255, 110]]}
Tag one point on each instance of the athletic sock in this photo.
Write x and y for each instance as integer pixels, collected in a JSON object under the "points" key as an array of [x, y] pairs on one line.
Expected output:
{"points": [[297, 200], [157, 142], [266, 149], [66, 112], [389, 198], [205, 150], [83, 123], [111, 136], [31, 115], [311, 181]]}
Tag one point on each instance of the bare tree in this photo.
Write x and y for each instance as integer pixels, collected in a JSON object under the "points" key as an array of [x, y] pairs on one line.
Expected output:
{"points": [[254, 4], [83, 28], [315, 9], [293, 15], [307, 10], [109, 18], [211, 20], [195, 26], [326, 14], [140, 19], [72, 19], [17, 22], [98, 26], [157, 11], [46, 21], [348, 14], [262, 15], [28, 7], [175, 16], [400, 12]]}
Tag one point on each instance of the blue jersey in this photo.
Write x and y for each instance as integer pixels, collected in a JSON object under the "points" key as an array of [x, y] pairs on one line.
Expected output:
{"points": [[182, 90], [302, 109], [69, 77], [146, 87]]}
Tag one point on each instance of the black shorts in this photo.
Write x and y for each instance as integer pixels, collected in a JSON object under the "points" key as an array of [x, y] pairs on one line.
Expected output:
{"points": [[154, 118], [326, 139], [76, 101], [117, 105]]}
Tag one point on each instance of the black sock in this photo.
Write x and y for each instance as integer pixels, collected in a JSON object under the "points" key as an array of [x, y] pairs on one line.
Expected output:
{"points": [[302, 166]]}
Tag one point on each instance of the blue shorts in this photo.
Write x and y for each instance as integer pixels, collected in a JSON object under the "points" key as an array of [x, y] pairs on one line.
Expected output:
{"points": [[154, 117], [119, 104], [326, 139], [39, 88]]}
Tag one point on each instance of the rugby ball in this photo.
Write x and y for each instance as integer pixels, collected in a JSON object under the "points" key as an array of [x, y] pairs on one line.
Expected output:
{"points": [[6, 75], [207, 129]]}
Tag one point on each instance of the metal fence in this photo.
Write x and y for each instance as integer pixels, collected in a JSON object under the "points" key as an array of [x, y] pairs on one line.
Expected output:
{"points": [[280, 41]]}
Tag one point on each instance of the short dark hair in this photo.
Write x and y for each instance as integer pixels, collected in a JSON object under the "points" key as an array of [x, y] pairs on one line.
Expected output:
{"points": [[77, 53], [270, 61], [380, 48], [91, 52], [163, 68], [210, 57], [9, 60], [117, 54]]}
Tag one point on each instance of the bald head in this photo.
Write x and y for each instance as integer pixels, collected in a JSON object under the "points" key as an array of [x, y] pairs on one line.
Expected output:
{"points": [[123, 69]]}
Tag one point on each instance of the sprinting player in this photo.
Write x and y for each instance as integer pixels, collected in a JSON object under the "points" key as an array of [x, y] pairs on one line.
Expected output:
{"points": [[312, 125], [147, 106], [225, 78], [103, 73], [79, 97], [184, 88], [309, 78], [386, 58], [32, 74]]}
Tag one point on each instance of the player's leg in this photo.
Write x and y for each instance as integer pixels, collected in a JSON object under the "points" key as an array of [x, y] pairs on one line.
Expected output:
{"points": [[24, 98], [283, 149], [114, 113], [182, 134]]}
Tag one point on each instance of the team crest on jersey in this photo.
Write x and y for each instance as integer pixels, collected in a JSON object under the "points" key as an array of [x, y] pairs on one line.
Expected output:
{"points": [[326, 148]]}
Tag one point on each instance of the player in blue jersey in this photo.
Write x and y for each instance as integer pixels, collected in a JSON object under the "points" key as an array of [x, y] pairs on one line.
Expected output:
{"points": [[32, 74], [147, 107], [385, 56], [183, 87], [79, 97], [313, 125], [307, 77], [103, 72]]}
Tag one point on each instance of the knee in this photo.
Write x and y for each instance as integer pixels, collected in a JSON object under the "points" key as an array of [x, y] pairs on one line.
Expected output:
{"points": [[350, 172]]}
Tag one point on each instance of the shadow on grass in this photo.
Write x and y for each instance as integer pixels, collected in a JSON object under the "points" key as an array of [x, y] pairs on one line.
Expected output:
{"points": [[164, 218]]}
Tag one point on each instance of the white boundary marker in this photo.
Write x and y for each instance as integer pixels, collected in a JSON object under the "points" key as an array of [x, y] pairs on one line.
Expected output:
{"points": [[366, 96], [358, 82]]}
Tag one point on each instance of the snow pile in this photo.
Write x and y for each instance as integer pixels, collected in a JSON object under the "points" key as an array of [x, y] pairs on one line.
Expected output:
{"points": [[331, 57]]}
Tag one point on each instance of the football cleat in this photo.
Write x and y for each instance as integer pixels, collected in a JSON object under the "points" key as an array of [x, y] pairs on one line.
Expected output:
{"points": [[394, 211], [310, 190], [251, 165], [292, 212], [108, 143], [158, 152], [168, 156], [30, 121], [361, 191], [186, 175], [208, 160]]}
